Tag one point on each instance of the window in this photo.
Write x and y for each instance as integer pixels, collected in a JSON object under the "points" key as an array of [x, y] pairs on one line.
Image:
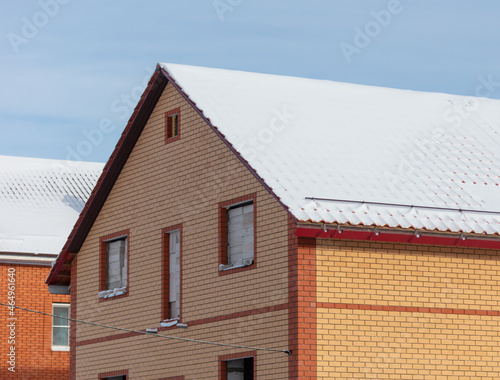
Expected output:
{"points": [[172, 125], [240, 235], [60, 327], [237, 231], [114, 265], [172, 272], [115, 375], [237, 369], [116, 252]]}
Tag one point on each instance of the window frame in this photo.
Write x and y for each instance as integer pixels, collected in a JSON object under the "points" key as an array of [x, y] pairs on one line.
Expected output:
{"points": [[165, 297], [56, 347], [169, 137], [223, 359], [223, 240], [103, 267]]}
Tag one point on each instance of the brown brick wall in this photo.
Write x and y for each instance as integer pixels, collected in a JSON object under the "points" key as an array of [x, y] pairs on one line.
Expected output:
{"points": [[183, 182], [401, 311], [153, 358], [33, 332]]}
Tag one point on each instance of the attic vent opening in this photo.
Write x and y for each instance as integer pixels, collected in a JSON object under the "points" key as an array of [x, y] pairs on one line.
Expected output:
{"points": [[172, 125]]}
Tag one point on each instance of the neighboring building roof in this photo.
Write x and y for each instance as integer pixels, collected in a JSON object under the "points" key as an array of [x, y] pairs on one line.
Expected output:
{"points": [[360, 155], [40, 201], [336, 153]]}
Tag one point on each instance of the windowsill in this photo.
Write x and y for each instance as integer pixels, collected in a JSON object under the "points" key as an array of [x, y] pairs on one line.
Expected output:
{"points": [[60, 348], [169, 322], [172, 139], [223, 267], [225, 270], [112, 293]]}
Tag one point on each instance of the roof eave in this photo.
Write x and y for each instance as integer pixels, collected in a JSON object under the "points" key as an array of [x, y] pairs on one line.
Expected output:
{"points": [[397, 235]]}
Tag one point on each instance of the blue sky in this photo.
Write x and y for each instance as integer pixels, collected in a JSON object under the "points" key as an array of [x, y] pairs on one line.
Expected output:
{"points": [[68, 65]]}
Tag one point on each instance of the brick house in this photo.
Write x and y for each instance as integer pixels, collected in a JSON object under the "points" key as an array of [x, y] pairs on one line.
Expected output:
{"points": [[355, 226], [40, 200]]}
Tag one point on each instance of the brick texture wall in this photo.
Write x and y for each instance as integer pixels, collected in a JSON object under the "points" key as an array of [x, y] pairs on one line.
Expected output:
{"points": [[396, 311], [33, 332], [183, 182]]}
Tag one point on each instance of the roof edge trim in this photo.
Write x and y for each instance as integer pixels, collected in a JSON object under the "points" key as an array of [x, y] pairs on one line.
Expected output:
{"points": [[406, 236]]}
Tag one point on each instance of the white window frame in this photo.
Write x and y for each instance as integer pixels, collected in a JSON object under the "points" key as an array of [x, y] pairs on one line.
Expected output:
{"points": [[60, 347]]}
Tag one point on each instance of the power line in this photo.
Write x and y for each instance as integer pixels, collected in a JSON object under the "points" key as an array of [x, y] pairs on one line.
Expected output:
{"points": [[288, 352]]}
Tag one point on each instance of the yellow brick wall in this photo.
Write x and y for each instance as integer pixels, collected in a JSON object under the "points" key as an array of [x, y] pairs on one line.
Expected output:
{"points": [[163, 185], [367, 344], [441, 343], [408, 275]]}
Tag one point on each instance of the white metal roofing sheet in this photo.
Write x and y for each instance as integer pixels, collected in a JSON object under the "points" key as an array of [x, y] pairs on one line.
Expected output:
{"points": [[311, 138], [40, 201]]}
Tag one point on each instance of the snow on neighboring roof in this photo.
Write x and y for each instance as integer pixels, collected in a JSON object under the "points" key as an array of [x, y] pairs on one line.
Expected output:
{"points": [[40, 201], [368, 155]]}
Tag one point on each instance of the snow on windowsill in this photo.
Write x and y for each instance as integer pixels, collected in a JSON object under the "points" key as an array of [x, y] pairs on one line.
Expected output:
{"points": [[169, 322], [60, 348], [223, 267], [112, 292]]}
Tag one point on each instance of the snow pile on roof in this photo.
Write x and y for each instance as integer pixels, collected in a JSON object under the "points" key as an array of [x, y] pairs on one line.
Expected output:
{"points": [[348, 144], [40, 201]]}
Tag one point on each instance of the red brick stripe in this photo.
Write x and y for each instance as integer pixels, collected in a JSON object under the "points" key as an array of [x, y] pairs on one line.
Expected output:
{"points": [[197, 322], [408, 309], [240, 314]]}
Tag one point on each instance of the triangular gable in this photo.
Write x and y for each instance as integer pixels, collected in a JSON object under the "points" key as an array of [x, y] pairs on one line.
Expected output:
{"points": [[60, 273]]}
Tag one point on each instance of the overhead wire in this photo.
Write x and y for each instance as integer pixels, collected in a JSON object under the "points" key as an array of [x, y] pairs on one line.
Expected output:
{"points": [[288, 352]]}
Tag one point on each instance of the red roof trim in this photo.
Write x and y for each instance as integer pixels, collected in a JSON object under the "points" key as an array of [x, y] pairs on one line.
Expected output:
{"points": [[406, 236], [110, 172]]}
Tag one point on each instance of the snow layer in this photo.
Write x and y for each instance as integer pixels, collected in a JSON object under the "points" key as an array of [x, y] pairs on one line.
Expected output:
{"points": [[321, 139], [40, 201]]}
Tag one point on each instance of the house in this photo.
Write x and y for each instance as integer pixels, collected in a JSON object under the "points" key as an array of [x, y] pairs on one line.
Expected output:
{"points": [[252, 226], [40, 200]]}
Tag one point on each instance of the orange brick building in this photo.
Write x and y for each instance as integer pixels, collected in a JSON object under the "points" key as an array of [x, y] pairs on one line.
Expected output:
{"points": [[39, 202], [251, 226]]}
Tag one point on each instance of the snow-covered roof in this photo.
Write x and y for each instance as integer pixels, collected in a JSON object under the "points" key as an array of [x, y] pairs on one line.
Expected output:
{"points": [[40, 201], [361, 155]]}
